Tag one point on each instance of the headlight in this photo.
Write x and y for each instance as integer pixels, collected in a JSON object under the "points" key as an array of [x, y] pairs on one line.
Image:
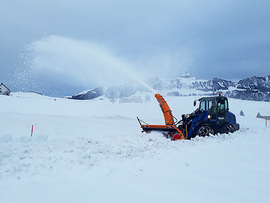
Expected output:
{"points": [[209, 116]]}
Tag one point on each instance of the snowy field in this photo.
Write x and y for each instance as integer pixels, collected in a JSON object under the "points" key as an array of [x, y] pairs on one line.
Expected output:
{"points": [[94, 151]]}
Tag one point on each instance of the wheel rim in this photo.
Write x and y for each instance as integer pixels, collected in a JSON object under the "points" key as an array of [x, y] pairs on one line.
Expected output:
{"points": [[176, 136], [230, 129], [205, 131]]}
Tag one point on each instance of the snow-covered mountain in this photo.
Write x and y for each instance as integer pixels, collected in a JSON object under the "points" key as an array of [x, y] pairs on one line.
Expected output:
{"points": [[111, 92], [91, 94], [187, 81], [254, 88]]}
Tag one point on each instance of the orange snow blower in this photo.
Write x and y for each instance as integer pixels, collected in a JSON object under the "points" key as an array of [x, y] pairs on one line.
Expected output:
{"points": [[169, 129], [212, 117]]}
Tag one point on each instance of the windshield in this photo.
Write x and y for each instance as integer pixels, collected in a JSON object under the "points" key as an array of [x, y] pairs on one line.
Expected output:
{"points": [[207, 105], [214, 105]]}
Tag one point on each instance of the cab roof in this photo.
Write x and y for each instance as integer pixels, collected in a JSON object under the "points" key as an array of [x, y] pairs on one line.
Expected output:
{"points": [[212, 98]]}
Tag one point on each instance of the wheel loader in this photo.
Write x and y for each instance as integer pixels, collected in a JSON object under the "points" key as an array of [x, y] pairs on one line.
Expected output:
{"points": [[211, 117]]}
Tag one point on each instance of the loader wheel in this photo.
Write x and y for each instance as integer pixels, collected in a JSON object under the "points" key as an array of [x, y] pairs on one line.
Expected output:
{"points": [[176, 136], [205, 131], [230, 129]]}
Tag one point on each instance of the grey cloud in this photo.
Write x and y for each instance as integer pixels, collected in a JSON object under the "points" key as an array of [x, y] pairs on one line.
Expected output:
{"points": [[209, 38]]}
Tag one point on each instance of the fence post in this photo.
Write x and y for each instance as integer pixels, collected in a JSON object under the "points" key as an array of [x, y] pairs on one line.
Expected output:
{"points": [[32, 130]]}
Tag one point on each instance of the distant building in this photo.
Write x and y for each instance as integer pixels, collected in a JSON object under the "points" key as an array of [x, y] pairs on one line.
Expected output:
{"points": [[135, 99], [4, 90]]}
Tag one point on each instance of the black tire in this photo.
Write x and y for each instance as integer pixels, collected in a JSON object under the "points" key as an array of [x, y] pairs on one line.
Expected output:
{"points": [[230, 129], [205, 131]]}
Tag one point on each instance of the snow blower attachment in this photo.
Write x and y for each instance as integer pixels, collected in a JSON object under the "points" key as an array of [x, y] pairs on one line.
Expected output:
{"points": [[211, 117]]}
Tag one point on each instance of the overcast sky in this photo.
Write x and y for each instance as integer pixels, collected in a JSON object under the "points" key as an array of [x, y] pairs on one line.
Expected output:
{"points": [[78, 42]]}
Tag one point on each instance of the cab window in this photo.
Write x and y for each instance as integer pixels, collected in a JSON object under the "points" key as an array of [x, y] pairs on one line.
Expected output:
{"points": [[223, 105], [212, 106], [202, 105]]}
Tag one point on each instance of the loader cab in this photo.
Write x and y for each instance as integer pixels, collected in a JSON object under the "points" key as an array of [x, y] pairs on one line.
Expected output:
{"points": [[216, 107]]}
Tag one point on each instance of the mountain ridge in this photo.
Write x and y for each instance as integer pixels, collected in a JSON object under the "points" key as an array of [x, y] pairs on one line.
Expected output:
{"points": [[253, 88]]}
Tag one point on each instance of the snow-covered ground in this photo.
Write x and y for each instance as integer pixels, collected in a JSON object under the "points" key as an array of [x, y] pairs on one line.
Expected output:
{"points": [[94, 151]]}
